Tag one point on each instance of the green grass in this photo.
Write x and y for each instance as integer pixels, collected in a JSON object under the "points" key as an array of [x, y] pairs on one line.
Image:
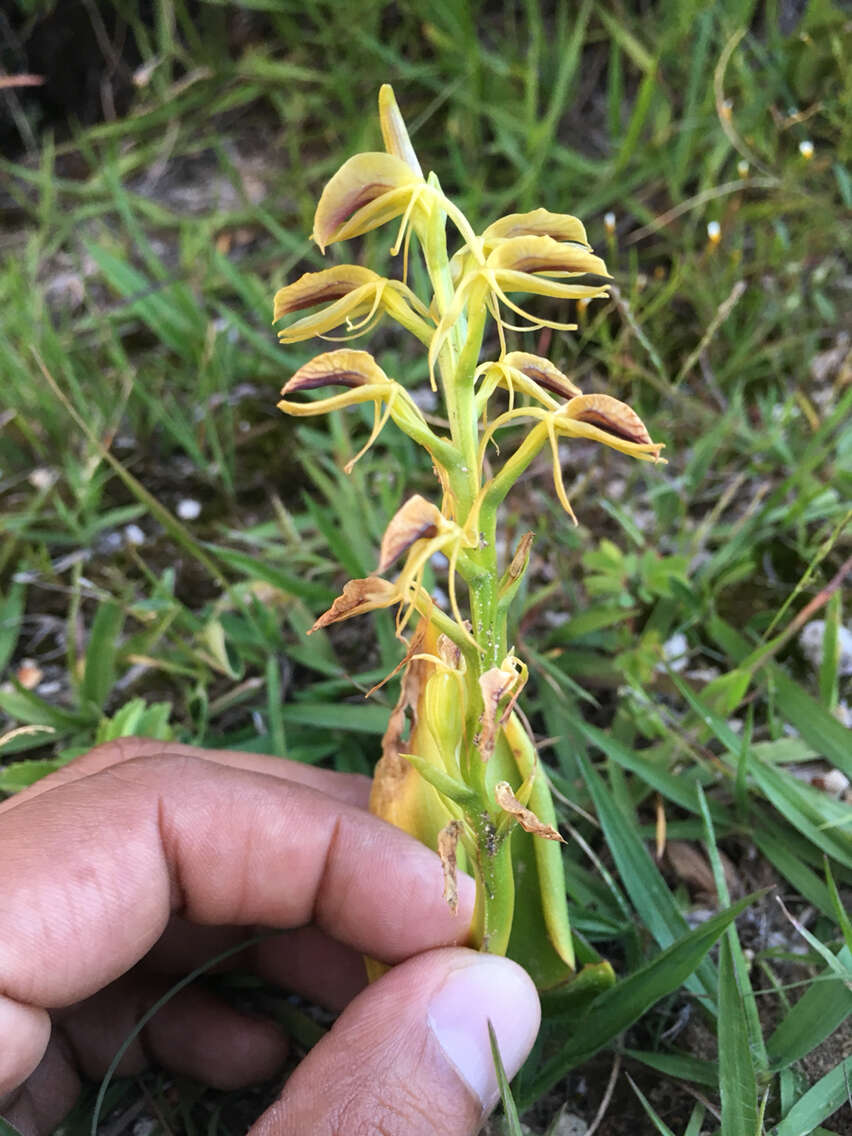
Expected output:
{"points": [[139, 368]]}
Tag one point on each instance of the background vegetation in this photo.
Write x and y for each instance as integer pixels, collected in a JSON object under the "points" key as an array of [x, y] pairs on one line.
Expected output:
{"points": [[166, 536]]}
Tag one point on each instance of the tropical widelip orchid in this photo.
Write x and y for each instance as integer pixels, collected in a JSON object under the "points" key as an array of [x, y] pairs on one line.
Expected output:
{"points": [[459, 768]]}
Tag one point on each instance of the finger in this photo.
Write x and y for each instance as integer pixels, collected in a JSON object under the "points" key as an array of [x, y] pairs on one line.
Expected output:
{"points": [[94, 868], [423, 1060], [311, 963], [30, 1029], [349, 787], [305, 961], [195, 1033], [47, 1095]]}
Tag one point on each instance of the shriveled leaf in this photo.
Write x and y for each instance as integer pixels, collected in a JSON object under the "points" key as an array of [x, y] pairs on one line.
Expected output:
{"points": [[525, 817], [448, 839]]}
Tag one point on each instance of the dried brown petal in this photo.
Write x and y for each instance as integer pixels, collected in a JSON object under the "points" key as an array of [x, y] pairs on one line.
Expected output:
{"points": [[525, 817], [416, 519], [359, 596], [448, 839], [610, 415], [346, 368], [543, 372]]}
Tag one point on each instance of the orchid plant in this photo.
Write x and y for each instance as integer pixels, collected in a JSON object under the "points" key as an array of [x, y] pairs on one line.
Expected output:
{"points": [[459, 768]]}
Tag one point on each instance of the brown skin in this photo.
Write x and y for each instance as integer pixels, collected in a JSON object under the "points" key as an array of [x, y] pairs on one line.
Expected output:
{"points": [[141, 860]]}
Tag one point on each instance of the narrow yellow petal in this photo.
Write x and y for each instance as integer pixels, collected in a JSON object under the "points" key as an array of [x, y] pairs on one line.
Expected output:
{"points": [[394, 132]]}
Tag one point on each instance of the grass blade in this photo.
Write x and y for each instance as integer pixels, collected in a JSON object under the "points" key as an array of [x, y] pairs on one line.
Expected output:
{"points": [[737, 1083], [641, 878], [510, 1109], [620, 1006], [820, 1101], [816, 1015]]}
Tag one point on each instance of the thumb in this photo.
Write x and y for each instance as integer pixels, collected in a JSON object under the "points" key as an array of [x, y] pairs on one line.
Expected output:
{"points": [[411, 1056]]}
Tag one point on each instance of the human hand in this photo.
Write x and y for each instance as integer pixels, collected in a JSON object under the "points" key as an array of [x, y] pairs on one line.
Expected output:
{"points": [[140, 860]]}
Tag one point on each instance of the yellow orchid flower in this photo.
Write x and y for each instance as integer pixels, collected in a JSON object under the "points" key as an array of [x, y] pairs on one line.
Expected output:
{"points": [[459, 768]]}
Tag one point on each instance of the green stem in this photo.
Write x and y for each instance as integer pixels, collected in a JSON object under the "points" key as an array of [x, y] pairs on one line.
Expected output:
{"points": [[495, 899]]}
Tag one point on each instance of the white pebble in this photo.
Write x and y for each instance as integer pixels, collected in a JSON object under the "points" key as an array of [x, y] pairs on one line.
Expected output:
{"points": [[188, 509], [675, 651], [133, 534]]}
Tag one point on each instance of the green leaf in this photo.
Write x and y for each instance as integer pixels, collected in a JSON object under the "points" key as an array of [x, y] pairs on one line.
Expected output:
{"points": [[510, 1109], [11, 612], [21, 774], [655, 1119], [737, 1083], [369, 718], [821, 1100], [781, 853], [8, 1129], [679, 788], [807, 809], [680, 1065], [822, 1008], [642, 880], [616, 1009], [255, 569], [819, 728], [101, 653], [28, 708], [840, 913], [445, 784]]}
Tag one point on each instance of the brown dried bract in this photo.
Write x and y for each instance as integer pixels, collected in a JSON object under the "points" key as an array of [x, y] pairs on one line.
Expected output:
{"points": [[525, 817], [416, 519], [359, 596], [522, 555], [448, 839]]}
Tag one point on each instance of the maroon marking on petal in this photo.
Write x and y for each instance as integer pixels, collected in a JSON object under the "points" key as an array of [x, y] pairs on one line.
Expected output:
{"points": [[550, 382], [322, 296], [627, 431], [328, 379], [365, 195]]}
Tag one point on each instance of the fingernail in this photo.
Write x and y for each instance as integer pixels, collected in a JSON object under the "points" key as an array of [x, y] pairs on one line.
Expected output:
{"points": [[488, 988]]}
